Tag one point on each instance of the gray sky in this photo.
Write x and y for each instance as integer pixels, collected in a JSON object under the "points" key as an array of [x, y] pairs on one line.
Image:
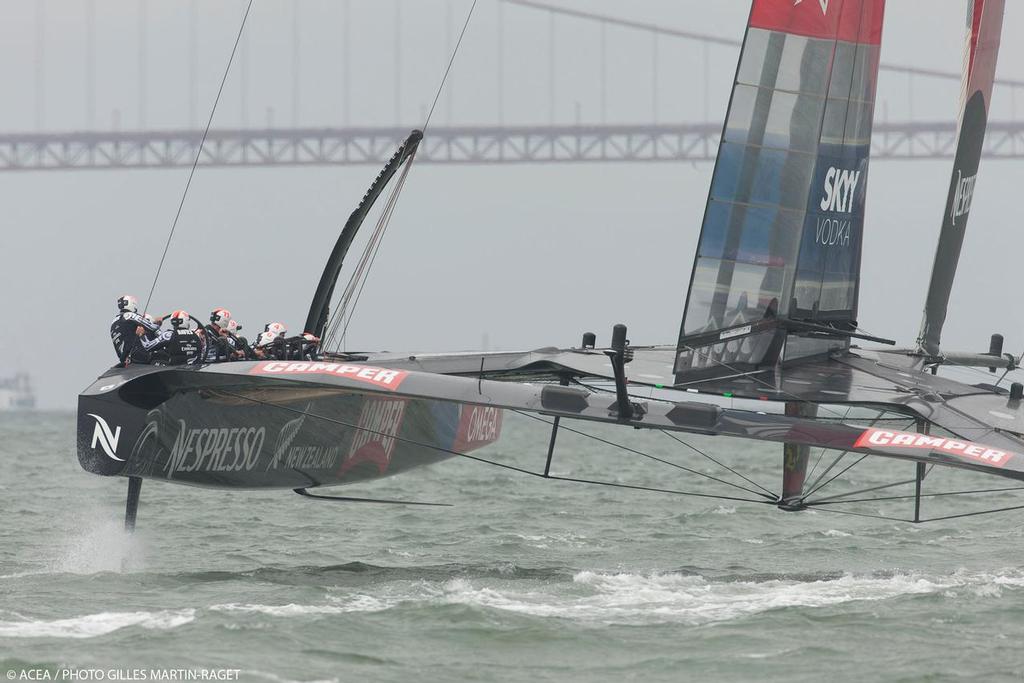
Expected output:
{"points": [[529, 255]]}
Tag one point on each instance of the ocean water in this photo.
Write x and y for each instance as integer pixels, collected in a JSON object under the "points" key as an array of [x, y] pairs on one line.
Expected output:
{"points": [[521, 580]]}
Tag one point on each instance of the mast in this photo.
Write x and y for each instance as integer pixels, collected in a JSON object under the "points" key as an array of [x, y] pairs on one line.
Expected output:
{"points": [[316, 320], [984, 26]]}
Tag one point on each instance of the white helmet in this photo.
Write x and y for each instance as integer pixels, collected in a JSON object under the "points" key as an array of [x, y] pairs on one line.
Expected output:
{"points": [[233, 326], [220, 317], [128, 304], [277, 328], [179, 318], [267, 338]]}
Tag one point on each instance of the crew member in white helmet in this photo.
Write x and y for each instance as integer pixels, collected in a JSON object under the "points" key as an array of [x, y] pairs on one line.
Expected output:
{"points": [[179, 345], [126, 327], [220, 346]]}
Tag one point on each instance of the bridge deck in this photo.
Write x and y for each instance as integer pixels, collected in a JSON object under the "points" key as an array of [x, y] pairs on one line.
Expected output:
{"points": [[443, 145]]}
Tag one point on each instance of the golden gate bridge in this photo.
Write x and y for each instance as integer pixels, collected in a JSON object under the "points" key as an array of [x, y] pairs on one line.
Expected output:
{"points": [[576, 141]]}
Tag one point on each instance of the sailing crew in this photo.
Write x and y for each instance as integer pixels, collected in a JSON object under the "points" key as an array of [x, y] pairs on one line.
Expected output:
{"points": [[179, 345], [270, 340], [129, 327], [275, 343], [267, 345], [220, 346], [308, 346], [240, 342]]}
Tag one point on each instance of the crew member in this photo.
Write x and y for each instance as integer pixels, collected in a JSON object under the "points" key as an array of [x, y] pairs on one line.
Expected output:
{"points": [[220, 346], [128, 327], [240, 342], [179, 345], [270, 339], [268, 345], [307, 345]]}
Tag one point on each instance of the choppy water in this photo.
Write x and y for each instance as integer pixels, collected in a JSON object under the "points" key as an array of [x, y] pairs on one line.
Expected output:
{"points": [[523, 580]]}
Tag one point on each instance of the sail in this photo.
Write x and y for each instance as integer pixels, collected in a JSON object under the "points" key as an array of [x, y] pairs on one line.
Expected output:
{"points": [[781, 236], [981, 48]]}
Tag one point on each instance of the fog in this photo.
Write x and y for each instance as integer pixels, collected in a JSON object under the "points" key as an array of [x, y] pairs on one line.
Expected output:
{"points": [[524, 255]]}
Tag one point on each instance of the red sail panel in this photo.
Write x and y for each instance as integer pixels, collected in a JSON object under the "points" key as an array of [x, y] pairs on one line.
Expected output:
{"points": [[983, 46], [846, 20]]}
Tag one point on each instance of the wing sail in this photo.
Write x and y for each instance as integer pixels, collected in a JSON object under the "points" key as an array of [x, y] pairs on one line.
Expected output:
{"points": [[981, 49], [781, 235]]}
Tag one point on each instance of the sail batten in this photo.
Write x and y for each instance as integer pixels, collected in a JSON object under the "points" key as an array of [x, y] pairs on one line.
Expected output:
{"points": [[782, 227]]}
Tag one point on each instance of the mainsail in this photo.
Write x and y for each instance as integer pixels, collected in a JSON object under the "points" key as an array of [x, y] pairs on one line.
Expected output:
{"points": [[781, 238], [981, 48]]}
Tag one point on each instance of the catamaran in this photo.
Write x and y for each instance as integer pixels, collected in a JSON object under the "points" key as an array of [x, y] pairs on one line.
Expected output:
{"points": [[770, 317]]}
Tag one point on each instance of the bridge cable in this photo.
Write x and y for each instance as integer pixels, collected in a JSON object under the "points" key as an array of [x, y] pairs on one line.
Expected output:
{"points": [[199, 152]]}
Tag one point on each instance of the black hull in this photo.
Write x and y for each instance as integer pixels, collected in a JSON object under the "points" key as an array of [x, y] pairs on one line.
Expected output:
{"points": [[225, 428]]}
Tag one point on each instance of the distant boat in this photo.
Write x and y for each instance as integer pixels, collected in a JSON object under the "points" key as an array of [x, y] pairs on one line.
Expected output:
{"points": [[16, 393]]}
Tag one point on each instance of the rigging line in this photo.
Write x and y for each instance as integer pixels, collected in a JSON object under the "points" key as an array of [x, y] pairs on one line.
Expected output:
{"points": [[841, 472], [339, 313], [451, 61], [700, 452], [817, 462], [361, 271], [370, 255], [965, 514], [645, 455], [814, 485], [199, 152], [827, 500], [865, 514], [911, 496], [823, 449], [390, 209], [636, 487], [828, 469], [426, 124], [877, 488], [486, 461]]}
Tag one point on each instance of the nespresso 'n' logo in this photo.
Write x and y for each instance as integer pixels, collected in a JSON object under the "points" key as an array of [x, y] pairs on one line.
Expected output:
{"points": [[106, 438]]}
